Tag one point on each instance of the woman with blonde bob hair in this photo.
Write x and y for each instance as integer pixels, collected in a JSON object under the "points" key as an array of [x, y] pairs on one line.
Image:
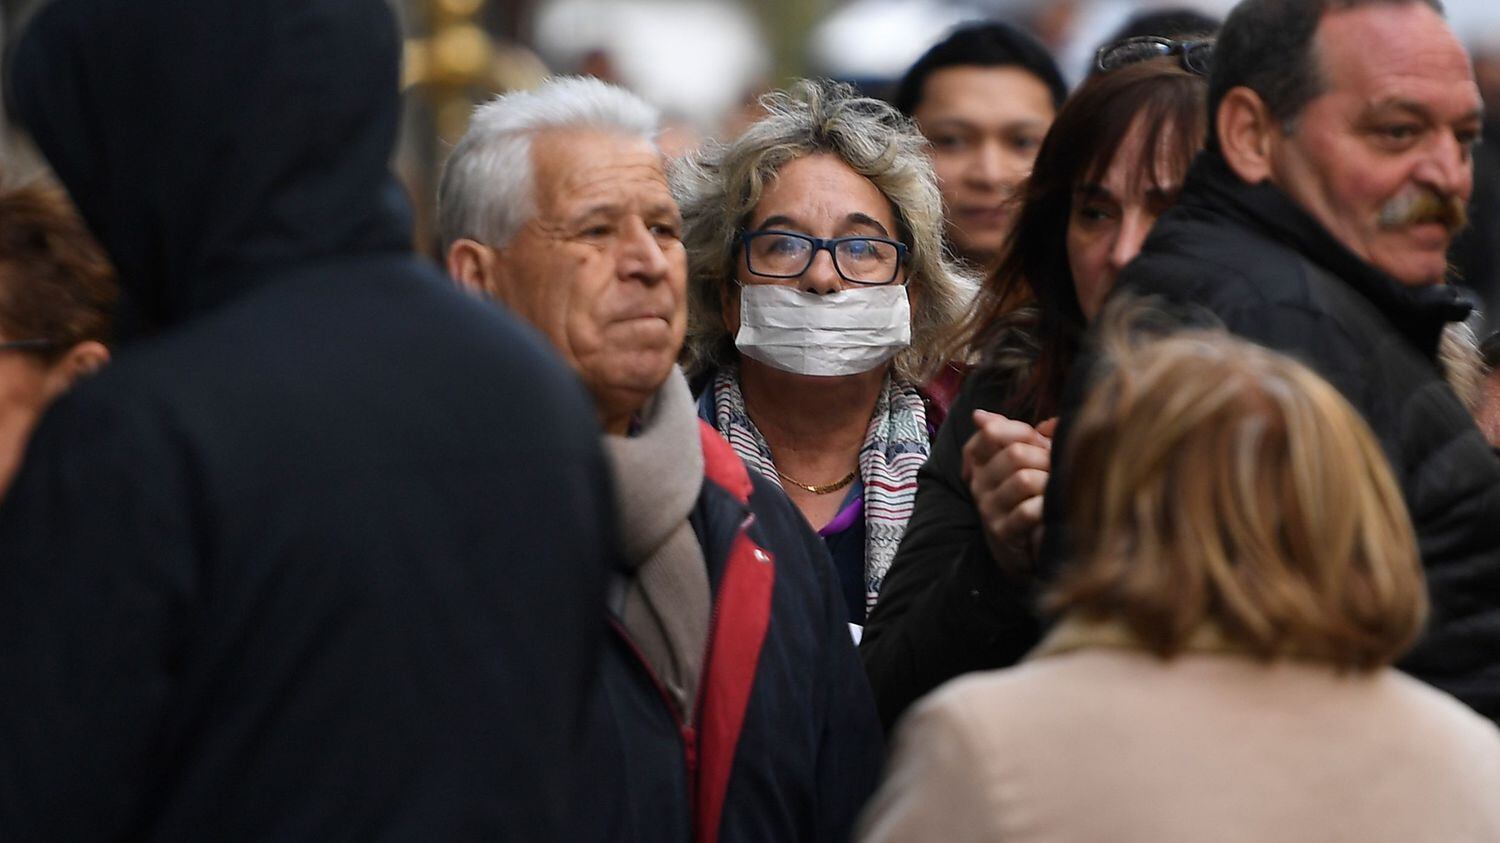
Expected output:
{"points": [[819, 293], [1244, 573]]}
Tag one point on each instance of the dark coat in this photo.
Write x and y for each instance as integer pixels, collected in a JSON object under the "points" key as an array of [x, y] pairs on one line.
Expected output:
{"points": [[946, 608], [1250, 258], [785, 745], [322, 555]]}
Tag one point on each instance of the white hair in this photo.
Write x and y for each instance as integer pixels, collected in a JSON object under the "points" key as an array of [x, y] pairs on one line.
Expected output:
{"points": [[488, 185]]}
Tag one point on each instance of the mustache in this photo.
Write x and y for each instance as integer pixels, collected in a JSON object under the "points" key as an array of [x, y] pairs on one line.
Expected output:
{"points": [[1423, 206]]}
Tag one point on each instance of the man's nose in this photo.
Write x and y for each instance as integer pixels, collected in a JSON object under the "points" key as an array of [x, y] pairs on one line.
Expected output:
{"points": [[1447, 167], [989, 167], [821, 275], [642, 257]]}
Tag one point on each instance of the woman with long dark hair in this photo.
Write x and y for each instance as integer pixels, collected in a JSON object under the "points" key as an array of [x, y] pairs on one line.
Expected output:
{"points": [[960, 594]]}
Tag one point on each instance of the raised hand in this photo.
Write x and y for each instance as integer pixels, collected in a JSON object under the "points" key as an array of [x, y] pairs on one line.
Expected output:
{"points": [[1006, 464]]}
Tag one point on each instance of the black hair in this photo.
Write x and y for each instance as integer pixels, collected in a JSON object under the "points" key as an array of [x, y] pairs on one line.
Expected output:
{"points": [[1267, 46], [1166, 23], [989, 44]]}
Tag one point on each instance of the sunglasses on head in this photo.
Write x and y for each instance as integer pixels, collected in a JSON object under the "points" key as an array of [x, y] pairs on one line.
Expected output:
{"points": [[1194, 56]]}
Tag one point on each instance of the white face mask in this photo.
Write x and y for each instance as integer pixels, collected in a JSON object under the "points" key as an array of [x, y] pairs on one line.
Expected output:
{"points": [[834, 334]]}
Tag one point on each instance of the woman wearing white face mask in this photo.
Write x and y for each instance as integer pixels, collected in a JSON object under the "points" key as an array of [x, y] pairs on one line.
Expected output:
{"points": [[818, 294]]}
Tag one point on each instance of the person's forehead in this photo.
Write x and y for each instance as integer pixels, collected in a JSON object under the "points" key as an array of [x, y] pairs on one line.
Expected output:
{"points": [[827, 184], [1396, 53], [577, 165], [969, 88]]}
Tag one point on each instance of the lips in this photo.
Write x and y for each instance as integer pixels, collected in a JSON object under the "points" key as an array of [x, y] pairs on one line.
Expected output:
{"points": [[994, 215]]}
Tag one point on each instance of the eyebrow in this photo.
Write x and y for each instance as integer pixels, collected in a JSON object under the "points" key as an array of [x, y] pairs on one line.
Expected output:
{"points": [[855, 218], [1099, 191], [614, 209], [970, 125], [1420, 110]]}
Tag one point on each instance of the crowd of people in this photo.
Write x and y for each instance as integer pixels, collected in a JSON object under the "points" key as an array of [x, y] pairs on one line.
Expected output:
{"points": [[713, 497]]}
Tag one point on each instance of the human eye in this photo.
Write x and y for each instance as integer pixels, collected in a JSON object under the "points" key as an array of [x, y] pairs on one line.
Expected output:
{"points": [[1094, 213], [1027, 143], [595, 229], [667, 230], [1398, 135], [947, 142], [784, 244], [1468, 138]]}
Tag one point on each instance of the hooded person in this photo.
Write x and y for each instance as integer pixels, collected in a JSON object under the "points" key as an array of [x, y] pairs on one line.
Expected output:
{"points": [[323, 552]]}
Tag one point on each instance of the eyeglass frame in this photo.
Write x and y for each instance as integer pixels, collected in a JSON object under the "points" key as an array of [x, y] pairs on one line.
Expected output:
{"points": [[1175, 47], [829, 244]]}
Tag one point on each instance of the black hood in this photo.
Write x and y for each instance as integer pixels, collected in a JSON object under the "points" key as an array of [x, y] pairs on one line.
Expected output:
{"points": [[208, 141]]}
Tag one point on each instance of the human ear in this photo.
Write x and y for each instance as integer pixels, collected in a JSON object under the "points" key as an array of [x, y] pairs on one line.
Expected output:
{"points": [[84, 358], [1247, 131], [473, 266]]}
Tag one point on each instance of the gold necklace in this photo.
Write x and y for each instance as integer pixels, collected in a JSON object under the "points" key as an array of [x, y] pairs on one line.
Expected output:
{"points": [[819, 490]]}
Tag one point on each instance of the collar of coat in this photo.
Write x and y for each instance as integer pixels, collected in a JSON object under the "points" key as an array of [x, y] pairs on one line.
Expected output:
{"points": [[1214, 191]]}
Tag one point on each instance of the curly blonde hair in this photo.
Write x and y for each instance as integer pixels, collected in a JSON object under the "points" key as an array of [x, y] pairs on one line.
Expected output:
{"points": [[718, 189]]}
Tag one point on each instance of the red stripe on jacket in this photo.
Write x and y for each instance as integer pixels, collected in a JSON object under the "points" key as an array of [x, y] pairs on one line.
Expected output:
{"points": [[743, 612]]}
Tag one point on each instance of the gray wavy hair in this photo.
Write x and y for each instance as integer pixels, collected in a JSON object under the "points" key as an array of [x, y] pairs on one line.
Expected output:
{"points": [[718, 188]]}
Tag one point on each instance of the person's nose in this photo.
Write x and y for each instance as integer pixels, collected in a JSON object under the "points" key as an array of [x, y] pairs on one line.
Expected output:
{"points": [[642, 258], [1447, 167], [821, 276], [1135, 224], [988, 169]]}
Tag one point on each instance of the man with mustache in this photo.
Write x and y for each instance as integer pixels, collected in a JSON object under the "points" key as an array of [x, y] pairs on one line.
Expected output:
{"points": [[1318, 222]]}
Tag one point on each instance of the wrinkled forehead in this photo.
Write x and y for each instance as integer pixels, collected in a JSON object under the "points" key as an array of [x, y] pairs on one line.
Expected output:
{"points": [[584, 165], [1396, 52]]}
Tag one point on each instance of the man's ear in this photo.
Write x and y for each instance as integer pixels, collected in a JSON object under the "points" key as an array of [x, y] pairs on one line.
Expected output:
{"points": [[474, 266], [84, 358], [1247, 132]]}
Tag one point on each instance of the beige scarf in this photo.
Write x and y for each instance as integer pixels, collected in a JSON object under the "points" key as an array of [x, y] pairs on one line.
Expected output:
{"points": [[658, 475]]}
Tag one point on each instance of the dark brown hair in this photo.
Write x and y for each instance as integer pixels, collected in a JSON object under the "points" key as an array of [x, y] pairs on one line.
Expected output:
{"points": [[1165, 99], [55, 283]]}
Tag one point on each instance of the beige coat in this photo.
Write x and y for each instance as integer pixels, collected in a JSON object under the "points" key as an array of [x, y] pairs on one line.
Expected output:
{"points": [[1090, 741]]}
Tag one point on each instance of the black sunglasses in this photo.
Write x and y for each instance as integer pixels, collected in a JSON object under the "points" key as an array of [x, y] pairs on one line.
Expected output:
{"points": [[1195, 56]]}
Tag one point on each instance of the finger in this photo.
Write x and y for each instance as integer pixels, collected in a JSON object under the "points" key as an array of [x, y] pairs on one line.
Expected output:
{"points": [[997, 431], [1048, 428], [1004, 503], [1020, 487], [1016, 526], [986, 476]]}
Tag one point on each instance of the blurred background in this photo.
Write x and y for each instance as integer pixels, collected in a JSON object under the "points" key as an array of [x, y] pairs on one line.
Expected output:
{"points": [[703, 61]]}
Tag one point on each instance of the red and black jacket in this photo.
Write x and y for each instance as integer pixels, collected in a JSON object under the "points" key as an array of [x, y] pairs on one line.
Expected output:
{"points": [[784, 744]]}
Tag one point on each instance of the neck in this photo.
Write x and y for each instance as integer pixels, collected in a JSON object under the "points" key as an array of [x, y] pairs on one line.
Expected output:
{"points": [[814, 425]]}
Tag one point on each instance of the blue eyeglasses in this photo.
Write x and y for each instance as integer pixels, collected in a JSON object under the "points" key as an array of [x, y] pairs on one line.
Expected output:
{"points": [[871, 261]]}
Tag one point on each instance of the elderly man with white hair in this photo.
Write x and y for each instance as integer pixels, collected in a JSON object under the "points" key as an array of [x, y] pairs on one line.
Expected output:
{"points": [[738, 709]]}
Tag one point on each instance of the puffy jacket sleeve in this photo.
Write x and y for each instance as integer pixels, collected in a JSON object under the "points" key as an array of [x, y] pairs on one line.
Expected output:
{"points": [[945, 608], [95, 577]]}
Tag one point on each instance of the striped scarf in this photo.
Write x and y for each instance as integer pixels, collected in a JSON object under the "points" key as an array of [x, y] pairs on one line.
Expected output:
{"points": [[896, 445]]}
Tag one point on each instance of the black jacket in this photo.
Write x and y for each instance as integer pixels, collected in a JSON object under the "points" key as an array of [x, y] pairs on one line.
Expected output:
{"points": [[1253, 260], [322, 555], [785, 745], [945, 608]]}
